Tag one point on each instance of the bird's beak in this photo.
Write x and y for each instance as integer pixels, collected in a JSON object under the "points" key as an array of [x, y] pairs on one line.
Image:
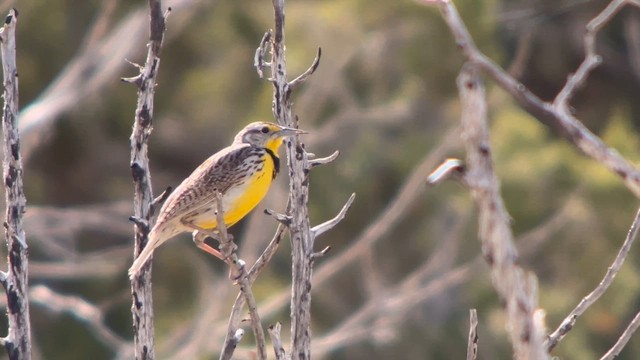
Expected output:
{"points": [[288, 131]]}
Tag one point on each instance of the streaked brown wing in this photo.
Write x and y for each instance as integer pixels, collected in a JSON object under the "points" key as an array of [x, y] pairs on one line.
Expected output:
{"points": [[219, 172]]}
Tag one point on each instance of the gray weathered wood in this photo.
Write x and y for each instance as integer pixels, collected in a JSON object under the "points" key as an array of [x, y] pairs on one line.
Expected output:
{"points": [[15, 280]]}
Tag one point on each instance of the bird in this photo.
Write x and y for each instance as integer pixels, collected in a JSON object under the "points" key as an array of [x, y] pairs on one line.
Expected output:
{"points": [[240, 175]]}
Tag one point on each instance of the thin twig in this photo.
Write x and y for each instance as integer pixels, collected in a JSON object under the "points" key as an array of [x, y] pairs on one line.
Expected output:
{"points": [[258, 60], [623, 339], [159, 200], [450, 168], [82, 310], [258, 266], [472, 344], [331, 223], [281, 218], [591, 59], [568, 323], [325, 160], [305, 75]]}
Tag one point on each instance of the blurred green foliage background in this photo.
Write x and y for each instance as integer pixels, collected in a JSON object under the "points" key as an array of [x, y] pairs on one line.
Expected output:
{"points": [[385, 96]]}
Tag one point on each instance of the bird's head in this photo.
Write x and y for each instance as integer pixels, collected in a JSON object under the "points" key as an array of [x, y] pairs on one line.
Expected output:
{"points": [[266, 134]]}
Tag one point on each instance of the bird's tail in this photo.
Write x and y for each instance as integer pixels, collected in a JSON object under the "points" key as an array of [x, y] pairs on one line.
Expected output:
{"points": [[145, 255]]}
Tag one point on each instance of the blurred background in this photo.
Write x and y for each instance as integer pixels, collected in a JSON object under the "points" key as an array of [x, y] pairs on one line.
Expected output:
{"points": [[404, 269]]}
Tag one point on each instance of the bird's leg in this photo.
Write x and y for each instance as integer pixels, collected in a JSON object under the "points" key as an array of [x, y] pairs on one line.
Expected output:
{"points": [[198, 239], [200, 234]]}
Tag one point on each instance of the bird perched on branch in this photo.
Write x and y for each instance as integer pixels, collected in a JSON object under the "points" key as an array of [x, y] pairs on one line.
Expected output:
{"points": [[239, 174]]}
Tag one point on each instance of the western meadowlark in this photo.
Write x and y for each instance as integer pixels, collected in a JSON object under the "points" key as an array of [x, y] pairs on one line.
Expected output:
{"points": [[241, 174]]}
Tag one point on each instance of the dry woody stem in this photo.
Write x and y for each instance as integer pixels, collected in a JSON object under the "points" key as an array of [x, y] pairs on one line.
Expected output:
{"points": [[516, 288], [300, 229], [18, 340], [568, 323], [554, 114], [299, 165], [232, 338], [142, 307]]}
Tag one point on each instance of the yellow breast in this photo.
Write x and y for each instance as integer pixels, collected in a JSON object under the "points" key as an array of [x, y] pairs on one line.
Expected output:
{"points": [[254, 192], [240, 200]]}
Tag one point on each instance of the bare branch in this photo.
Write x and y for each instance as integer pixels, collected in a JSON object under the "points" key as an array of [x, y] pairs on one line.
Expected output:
{"points": [[472, 345], [324, 160], [274, 334], [305, 75], [569, 126], [267, 254], [623, 339], [330, 224], [281, 218], [159, 200], [591, 59], [449, 168], [92, 69], [261, 262], [82, 310], [321, 253], [517, 289], [18, 341], [258, 60], [301, 236], [568, 323], [141, 292]]}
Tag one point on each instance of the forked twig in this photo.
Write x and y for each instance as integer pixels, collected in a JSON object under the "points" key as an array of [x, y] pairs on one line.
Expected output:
{"points": [[554, 116]]}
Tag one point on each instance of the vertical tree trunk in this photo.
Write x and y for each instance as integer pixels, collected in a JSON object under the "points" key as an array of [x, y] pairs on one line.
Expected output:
{"points": [[15, 280], [301, 238], [142, 307]]}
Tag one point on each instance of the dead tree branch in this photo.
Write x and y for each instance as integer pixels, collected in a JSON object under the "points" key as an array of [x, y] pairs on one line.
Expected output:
{"points": [[82, 310], [142, 308], [91, 69], [623, 339], [568, 323], [383, 223], [517, 289], [258, 266], [555, 115], [302, 237], [15, 280]]}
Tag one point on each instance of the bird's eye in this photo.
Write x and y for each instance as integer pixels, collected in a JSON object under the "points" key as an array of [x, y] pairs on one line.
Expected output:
{"points": [[265, 129]]}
